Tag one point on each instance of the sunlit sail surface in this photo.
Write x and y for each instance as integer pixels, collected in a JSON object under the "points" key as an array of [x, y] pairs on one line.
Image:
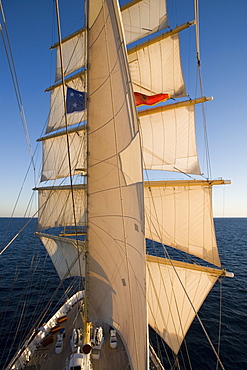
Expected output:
{"points": [[120, 114]]}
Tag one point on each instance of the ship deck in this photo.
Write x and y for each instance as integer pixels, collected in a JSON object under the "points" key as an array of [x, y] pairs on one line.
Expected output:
{"points": [[45, 358]]}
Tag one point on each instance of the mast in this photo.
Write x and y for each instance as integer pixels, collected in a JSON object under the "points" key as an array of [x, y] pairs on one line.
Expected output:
{"points": [[177, 213], [86, 338]]}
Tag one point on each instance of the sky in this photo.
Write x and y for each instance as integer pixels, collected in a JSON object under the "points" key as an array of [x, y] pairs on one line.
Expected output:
{"points": [[223, 31]]}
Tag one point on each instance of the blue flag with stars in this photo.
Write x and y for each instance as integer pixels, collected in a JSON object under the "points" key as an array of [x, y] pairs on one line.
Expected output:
{"points": [[75, 100]]}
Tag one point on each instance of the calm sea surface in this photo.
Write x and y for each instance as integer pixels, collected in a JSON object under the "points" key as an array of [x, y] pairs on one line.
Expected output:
{"points": [[27, 274]]}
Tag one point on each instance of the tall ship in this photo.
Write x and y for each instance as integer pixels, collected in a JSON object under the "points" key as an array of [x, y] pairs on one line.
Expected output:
{"points": [[141, 252]]}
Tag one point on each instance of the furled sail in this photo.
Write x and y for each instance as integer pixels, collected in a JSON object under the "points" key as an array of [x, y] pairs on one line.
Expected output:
{"points": [[55, 162], [169, 140], [66, 254], [56, 207], [143, 17], [175, 293], [179, 214], [116, 255]]}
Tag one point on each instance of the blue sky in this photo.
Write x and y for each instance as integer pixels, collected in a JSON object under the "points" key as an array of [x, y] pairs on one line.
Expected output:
{"points": [[223, 31]]}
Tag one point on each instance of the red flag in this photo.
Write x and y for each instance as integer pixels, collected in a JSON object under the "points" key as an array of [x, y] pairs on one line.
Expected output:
{"points": [[142, 99]]}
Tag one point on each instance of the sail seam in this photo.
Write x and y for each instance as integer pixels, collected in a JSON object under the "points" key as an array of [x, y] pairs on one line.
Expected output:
{"points": [[121, 194]]}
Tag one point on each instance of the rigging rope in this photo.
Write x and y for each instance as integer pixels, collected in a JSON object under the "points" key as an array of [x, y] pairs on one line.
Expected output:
{"points": [[191, 303], [201, 89], [18, 233], [208, 170], [67, 133], [183, 287], [158, 232], [220, 320]]}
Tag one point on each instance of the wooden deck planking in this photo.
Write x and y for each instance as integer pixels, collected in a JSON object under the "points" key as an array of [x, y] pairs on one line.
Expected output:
{"points": [[110, 358]]}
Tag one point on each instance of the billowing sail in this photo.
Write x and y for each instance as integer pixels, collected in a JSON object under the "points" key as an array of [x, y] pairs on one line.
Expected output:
{"points": [[66, 254], [143, 17], [169, 140], [55, 155], [179, 214], [175, 293], [58, 208], [73, 54], [156, 68], [116, 255], [140, 18], [56, 119]]}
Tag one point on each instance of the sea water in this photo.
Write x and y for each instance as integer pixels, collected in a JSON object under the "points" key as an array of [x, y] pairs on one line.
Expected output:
{"points": [[26, 273], [231, 234]]}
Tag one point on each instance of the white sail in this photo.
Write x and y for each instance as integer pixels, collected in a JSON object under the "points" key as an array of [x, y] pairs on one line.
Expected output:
{"points": [[55, 155], [56, 119], [73, 54], [143, 17], [116, 255], [131, 172], [56, 207], [176, 292], [169, 140], [156, 67], [66, 254], [140, 18], [179, 214]]}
